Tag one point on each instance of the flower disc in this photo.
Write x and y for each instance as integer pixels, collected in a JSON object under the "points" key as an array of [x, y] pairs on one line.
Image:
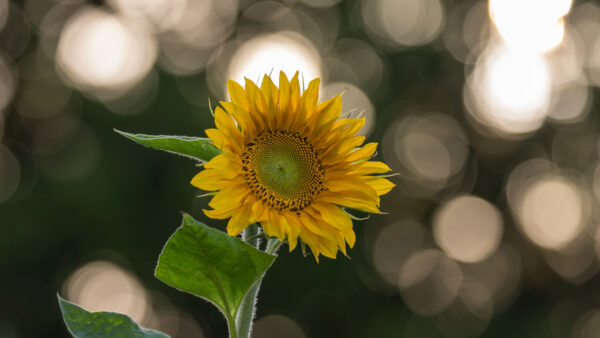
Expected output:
{"points": [[282, 170]]}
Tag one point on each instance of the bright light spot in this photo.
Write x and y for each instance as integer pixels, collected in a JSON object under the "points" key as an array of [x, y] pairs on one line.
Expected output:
{"points": [[270, 54], [533, 25], [468, 228], [404, 23], [10, 173], [100, 50], [103, 286], [551, 212], [353, 100], [276, 326], [393, 245], [509, 90], [518, 82], [429, 282]]}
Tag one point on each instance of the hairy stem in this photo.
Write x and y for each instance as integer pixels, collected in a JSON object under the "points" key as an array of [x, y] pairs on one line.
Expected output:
{"points": [[245, 316]]}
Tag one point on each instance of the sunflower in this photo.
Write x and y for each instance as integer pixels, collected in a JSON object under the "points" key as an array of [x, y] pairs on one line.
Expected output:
{"points": [[291, 164]]}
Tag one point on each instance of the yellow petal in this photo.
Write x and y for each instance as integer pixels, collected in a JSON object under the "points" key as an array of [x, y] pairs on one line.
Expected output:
{"points": [[333, 215], [294, 229], [258, 105], [284, 94], [208, 180], [362, 153], [255, 97], [342, 147], [227, 164], [270, 93], [310, 97], [309, 223], [348, 183], [327, 113], [272, 227], [232, 195], [238, 222], [221, 213], [370, 167], [381, 185], [216, 137], [229, 130], [241, 115], [237, 94], [294, 102], [351, 200], [259, 212], [332, 234]]}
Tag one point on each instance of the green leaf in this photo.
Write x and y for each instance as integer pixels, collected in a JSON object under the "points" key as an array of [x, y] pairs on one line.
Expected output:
{"points": [[83, 324], [196, 148], [211, 264]]}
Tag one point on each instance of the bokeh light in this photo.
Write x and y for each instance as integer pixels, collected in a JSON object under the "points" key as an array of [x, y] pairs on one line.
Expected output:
{"points": [[429, 282], [394, 244], [550, 208], [104, 286], [588, 325], [577, 262], [429, 149], [403, 23], [534, 25], [274, 326], [101, 51], [270, 54], [509, 90], [355, 61], [468, 228]]}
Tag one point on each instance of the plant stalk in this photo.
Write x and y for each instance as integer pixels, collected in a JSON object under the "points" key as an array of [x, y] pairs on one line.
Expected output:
{"points": [[245, 316]]}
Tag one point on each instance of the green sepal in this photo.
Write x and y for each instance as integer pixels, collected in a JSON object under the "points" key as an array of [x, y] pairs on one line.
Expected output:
{"points": [[197, 148], [211, 264], [85, 324]]}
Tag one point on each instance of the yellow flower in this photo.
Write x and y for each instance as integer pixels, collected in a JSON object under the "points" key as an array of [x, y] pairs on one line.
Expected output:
{"points": [[290, 164]]}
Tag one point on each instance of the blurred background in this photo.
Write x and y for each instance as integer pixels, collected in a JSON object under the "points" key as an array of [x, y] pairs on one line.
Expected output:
{"points": [[487, 109]]}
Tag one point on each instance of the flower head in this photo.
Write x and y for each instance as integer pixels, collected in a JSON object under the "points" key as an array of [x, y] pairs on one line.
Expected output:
{"points": [[290, 164]]}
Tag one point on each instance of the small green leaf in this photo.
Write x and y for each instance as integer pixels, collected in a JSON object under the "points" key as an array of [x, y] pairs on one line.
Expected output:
{"points": [[84, 324], [211, 264], [196, 148]]}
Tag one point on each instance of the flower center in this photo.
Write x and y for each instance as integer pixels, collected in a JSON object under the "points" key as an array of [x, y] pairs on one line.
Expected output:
{"points": [[283, 170]]}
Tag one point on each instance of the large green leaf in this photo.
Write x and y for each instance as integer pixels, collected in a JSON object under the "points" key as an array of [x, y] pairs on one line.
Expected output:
{"points": [[195, 147], [211, 264], [84, 324]]}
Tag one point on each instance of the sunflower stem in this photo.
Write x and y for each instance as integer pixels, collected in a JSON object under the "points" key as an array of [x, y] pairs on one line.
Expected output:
{"points": [[251, 235], [245, 315]]}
